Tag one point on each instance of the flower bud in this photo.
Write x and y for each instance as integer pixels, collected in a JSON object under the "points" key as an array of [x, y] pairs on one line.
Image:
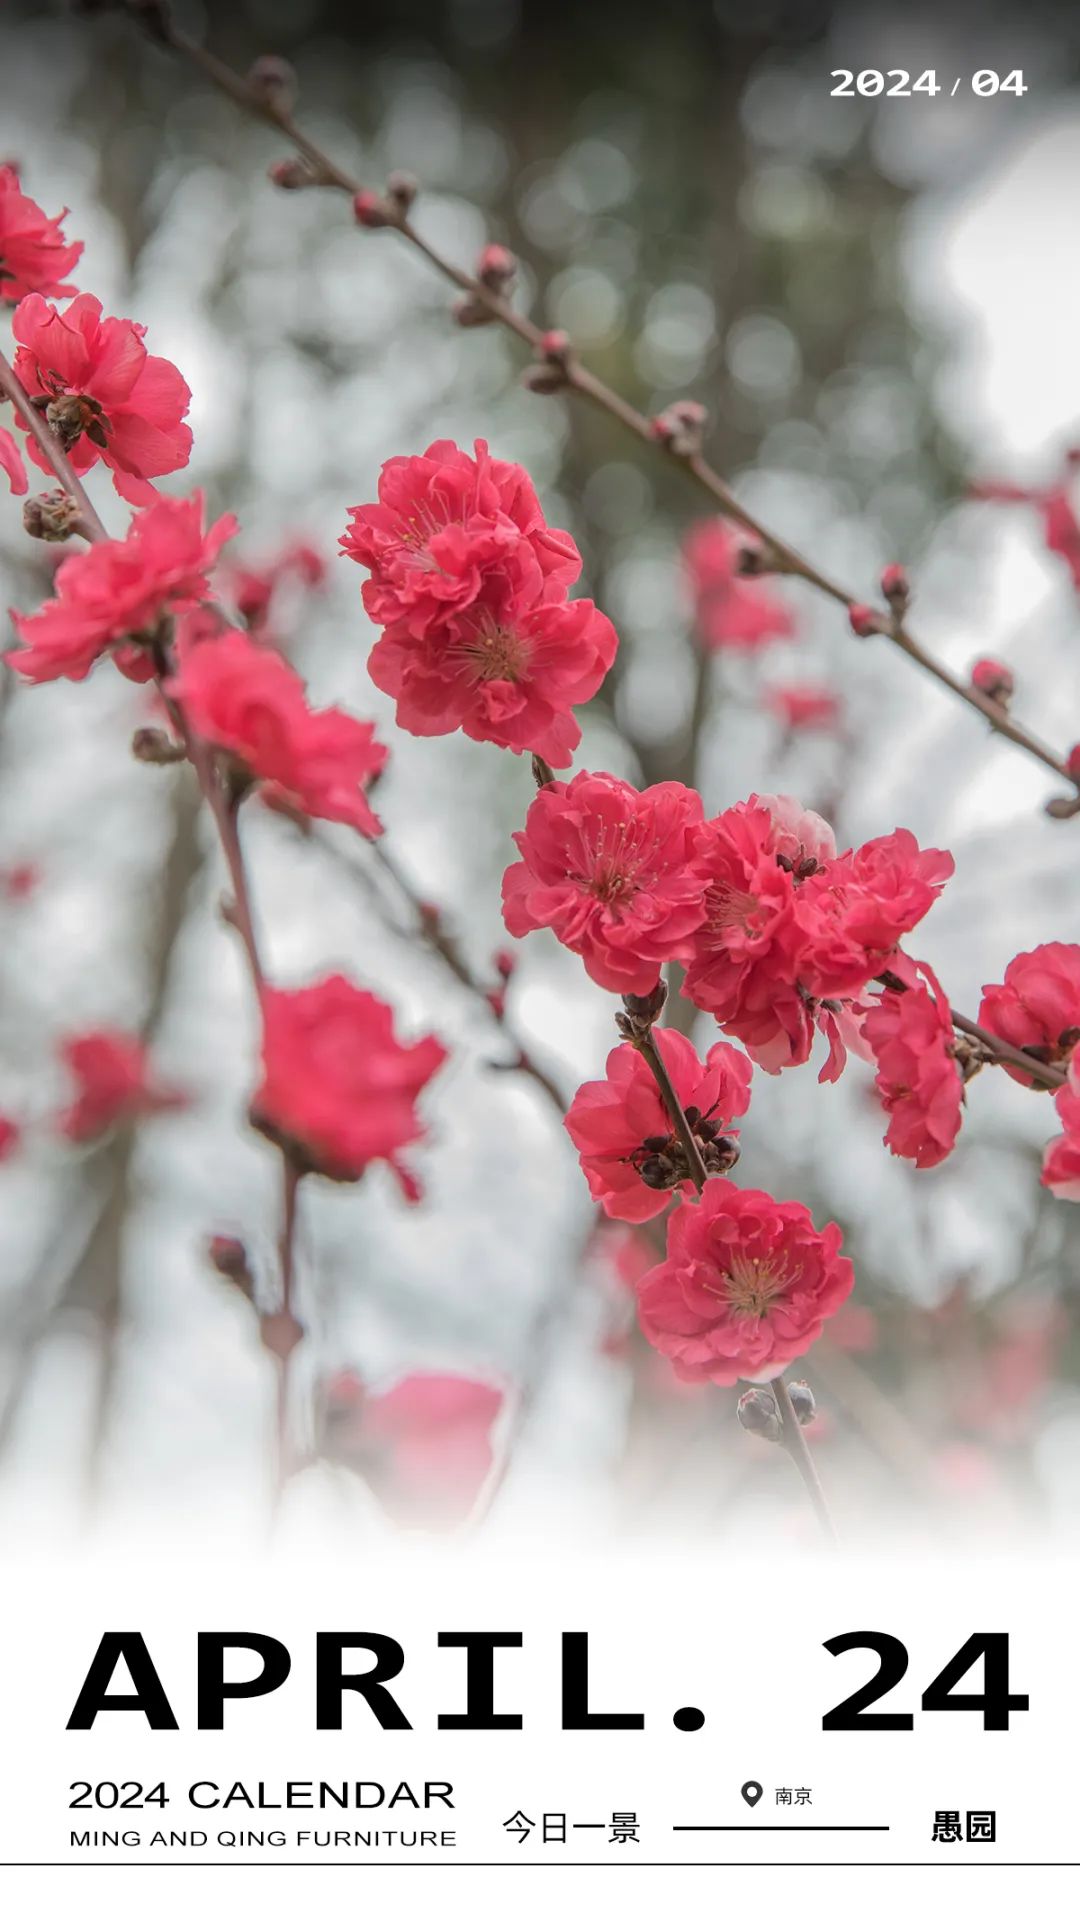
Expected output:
{"points": [[281, 1333], [896, 588], [751, 559], [759, 1415], [401, 191], [802, 1401], [1072, 761], [51, 517], [496, 268], [153, 746], [291, 173], [555, 344], [681, 427], [504, 963], [549, 372], [470, 311], [274, 82], [993, 679], [370, 210], [864, 621], [229, 1256], [641, 1011]]}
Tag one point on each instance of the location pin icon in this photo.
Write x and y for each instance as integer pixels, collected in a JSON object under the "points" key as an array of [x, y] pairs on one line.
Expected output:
{"points": [[751, 1792]]}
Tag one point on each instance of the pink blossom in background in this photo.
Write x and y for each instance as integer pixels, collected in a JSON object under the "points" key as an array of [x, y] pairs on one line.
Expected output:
{"points": [[1053, 504], [1037, 1006], [115, 593], [251, 589], [424, 1446], [618, 1123], [747, 1285], [854, 1330], [729, 611], [918, 1080], [114, 1083], [507, 668], [608, 870], [245, 698], [805, 705], [10, 1137], [627, 1253], [105, 396], [338, 1088], [442, 521], [35, 258], [1061, 1162], [19, 881], [12, 462]]}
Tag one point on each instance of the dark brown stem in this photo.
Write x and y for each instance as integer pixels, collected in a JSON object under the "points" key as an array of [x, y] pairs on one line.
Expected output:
{"points": [[797, 1447], [290, 1193], [226, 812], [1045, 1072], [428, 928], [647, 1048], [579, 379]]}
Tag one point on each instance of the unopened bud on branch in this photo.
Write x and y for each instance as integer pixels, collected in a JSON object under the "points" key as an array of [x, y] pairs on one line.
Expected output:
{"points": [[370, 210], [496, 268], [640, 1012], [896, 588], [471, 311], [52, 517], [995, 680], [550, 371], [229, 1256], [802, 1401], [752, 559], [292, 173], [274, 82], [154, 747], [401, 191], [681, 427], [864, 621], [760, 1416]]}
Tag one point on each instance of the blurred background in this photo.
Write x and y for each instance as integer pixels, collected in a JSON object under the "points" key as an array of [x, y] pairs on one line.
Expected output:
{"points": [[876, 301]]}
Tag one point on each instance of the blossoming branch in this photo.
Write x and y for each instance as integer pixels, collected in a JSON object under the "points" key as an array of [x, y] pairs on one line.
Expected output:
{"points": [[785, 943]]}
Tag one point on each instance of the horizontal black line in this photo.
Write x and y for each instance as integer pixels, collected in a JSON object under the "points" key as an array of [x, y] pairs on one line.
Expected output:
{"points": [[614, 1862], [780, 1828]]}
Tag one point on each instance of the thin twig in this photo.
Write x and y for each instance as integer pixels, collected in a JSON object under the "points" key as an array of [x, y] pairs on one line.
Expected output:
{"points": [[290, 1192], [798, 1448], [1050, 1075], [267, 105], [429, 927]]}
